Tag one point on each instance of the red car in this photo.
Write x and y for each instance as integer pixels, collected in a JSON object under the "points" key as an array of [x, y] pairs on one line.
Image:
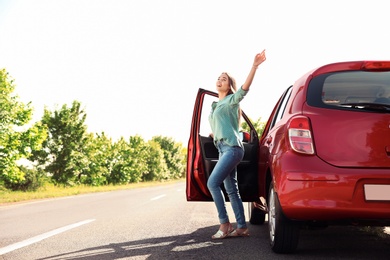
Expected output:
{"points": [[323, 157]]}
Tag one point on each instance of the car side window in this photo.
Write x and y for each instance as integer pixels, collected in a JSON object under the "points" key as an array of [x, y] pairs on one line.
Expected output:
{"points": [[282, 106], [205, 129]]}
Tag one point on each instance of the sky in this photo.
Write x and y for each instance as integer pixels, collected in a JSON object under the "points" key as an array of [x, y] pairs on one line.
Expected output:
{"points": [[136, 65]]}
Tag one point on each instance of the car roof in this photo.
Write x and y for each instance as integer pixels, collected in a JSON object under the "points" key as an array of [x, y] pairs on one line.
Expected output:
{"points": [[341, 66]]}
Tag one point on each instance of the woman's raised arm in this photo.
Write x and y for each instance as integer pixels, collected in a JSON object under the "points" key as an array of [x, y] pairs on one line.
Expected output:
{"points": [[259, 58]]}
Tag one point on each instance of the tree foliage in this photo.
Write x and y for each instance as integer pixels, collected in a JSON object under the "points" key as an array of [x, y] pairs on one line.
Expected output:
{"points": [[258, 125], [129, 161], [60, 149], [72, 156], [17, 140], [99, 150], [157, 168], [63, 155], [173, 155]]}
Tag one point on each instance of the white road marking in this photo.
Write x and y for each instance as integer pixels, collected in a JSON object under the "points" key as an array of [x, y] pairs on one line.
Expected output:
{"points": [[158, 197], [195, 246], [38, 238]]}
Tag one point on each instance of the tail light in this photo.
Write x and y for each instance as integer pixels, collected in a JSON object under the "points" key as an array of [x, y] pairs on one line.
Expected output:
{"points": [[299, 135], [376, 65]]}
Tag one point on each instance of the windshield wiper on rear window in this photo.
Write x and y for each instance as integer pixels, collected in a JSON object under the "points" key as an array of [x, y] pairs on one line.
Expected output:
{"points": [[367, 106]]}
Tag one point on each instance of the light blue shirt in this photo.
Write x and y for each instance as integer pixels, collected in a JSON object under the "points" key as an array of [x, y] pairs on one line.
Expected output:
{"points": [[224, 118]]}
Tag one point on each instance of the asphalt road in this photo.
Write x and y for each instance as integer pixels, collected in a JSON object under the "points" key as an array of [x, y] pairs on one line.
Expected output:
{"points": [[156, 223]]}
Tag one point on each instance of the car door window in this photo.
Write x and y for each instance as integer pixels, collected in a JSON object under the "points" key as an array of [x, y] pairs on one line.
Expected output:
{"points": [[282, 106], [205, 128]]}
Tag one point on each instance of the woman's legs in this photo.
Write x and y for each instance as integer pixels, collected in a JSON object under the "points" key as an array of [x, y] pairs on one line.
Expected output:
{"points": [[231, 187], [225, 172]]}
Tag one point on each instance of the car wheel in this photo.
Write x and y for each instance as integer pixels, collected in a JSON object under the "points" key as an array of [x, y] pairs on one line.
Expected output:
{"points": [[256, 215], [283, 233]]}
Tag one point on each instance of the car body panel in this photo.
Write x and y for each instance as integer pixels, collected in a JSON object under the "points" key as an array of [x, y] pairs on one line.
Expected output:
{"points": [[355, 139]]}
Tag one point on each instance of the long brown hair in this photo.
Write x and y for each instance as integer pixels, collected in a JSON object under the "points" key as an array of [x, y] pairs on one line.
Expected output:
{"points": [[232, 83], [233, 89]]}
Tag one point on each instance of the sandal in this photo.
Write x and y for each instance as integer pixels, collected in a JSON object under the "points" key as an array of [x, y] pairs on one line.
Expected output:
{"points": [[221, 235], [236, 233]]}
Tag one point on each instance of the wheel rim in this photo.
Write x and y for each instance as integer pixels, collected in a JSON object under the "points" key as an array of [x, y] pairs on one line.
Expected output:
{"points": [[271, 215]]}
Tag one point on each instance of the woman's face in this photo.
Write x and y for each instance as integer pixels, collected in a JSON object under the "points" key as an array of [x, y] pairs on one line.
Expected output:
{"points": [[223, 84]]}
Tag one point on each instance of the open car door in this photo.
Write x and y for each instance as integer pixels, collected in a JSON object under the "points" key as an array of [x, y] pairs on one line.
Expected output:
{"points": [[202, 155]]}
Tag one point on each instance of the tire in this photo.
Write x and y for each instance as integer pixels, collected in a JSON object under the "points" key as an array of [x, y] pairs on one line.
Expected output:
{"points": [[256, 216], [283, 233]]}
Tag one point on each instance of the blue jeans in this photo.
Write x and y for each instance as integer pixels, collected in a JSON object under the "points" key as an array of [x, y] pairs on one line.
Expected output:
{"points": [[225, 171]]}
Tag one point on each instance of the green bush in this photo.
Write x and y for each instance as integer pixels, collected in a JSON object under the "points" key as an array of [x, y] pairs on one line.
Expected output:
{"points": [[33, 180]]}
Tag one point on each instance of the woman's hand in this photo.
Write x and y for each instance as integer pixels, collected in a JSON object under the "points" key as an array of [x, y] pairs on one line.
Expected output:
{"points": [[259, 58]]}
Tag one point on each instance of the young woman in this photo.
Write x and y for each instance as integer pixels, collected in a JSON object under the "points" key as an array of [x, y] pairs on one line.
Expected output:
{"points": [[224, 121]]}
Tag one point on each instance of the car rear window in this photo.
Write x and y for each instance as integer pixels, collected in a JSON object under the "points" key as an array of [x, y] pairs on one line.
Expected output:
{"points": [[351, 90]]}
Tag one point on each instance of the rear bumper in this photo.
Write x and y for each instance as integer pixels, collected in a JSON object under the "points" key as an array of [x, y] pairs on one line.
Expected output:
{"points": [[326, 193]]}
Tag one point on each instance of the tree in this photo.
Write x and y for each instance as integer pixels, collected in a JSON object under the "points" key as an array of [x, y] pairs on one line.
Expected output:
{"points": [[173, 155], [129, 161], [99, 150], [63, 155], [157, 168], [16, 142]]}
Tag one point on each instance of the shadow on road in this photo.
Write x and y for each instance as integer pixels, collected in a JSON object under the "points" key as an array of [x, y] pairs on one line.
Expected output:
{"points": [[330, 243]]}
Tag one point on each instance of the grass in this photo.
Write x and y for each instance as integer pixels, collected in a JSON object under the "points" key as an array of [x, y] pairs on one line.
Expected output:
{"points": [[51, 191]]}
